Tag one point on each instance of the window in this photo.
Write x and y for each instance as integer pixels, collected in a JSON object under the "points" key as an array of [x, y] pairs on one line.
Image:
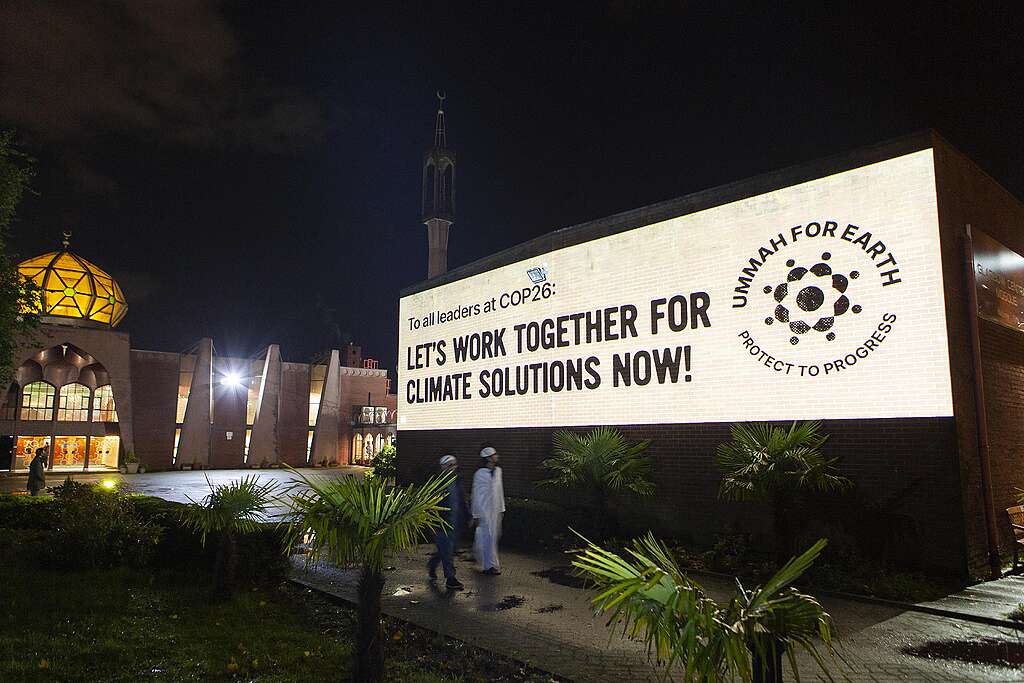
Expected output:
{"points": [[379, 443], [357, 448], [253, 399], [188, 364], [309, 445], [73, 404], [177, 438], [317, 374], [37, 401], [103, 405], [248, 438], [368, 451]]}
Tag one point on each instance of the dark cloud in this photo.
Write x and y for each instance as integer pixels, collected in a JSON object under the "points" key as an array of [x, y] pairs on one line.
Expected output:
{"points": [[165, 71]]}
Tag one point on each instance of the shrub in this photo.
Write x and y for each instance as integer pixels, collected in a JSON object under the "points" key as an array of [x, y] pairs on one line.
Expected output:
{"points": [[597, 466], [385, 462], [26, 512], [99, 528]]}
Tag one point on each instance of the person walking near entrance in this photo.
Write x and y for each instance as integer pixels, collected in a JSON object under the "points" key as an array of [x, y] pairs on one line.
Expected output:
{"points": [[37, 472], [488, 508], [447, 539]]}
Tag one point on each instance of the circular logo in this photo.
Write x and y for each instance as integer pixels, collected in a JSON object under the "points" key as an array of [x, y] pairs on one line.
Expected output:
{"points": [[811, 299]]}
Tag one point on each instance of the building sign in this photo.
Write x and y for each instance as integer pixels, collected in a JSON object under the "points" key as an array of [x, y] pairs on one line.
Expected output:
{"points": [[820, 300], [999, 278]]}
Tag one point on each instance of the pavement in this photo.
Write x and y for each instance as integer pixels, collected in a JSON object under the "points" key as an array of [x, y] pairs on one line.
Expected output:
{"points": [[530, 614]]}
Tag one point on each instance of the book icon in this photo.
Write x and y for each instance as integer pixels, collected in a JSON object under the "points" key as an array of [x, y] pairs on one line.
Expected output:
{"points": [[537, 274]]}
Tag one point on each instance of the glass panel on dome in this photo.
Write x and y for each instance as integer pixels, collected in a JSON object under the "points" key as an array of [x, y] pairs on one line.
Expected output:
{"points": [[101, 316], [37, 401], [119, 311], [103, 409], [84, 301], [73, 404]]}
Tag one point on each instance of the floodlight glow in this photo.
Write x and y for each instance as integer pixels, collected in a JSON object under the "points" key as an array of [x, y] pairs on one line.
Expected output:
{"points": [[108, 484], [232, 379]]}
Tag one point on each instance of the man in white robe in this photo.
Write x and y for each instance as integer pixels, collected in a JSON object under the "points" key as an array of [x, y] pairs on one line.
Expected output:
{"points": [[487, 509]]}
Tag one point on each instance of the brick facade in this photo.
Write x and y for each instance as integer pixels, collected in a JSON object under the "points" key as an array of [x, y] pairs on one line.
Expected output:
{"points": [[917, 481], [155, 378]]}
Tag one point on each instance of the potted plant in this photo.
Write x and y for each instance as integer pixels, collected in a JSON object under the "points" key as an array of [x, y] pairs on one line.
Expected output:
{"points": [[131, 462]]}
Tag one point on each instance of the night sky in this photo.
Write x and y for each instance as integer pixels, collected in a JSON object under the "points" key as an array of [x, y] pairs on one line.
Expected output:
{"points": [[251, 171]]}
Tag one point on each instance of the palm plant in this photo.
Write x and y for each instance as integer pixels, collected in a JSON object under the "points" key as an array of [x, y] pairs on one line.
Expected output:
{"points": [[774, 464], [229, 510], [360, 521], [599, 464], [691, 634]]}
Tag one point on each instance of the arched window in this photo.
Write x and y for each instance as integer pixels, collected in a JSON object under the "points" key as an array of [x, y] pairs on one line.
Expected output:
{"points": [[357, 448], [368, 451], [391, 439], [379, 443], [37, 401], [73, 404], [103, 405]]}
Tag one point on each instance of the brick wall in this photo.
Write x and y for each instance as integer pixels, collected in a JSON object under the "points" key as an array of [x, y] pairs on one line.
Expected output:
{"points": [[968, 195], [904, 471], [229, 404], [293, 426], [154, 388]]}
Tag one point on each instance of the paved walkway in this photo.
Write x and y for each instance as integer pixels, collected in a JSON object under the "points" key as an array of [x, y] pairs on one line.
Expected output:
{"points": [[528, 613]]}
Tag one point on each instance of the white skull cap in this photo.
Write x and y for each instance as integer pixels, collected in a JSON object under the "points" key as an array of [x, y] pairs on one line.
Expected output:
{"points": [[487, 452], [447, 460]]}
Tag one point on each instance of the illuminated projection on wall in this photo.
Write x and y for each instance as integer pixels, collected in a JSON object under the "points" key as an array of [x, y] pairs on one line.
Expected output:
{"points": [[820, 300]]}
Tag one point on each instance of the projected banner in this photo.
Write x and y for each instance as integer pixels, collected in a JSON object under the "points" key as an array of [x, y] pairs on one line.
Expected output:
{"points": [[820, 300]]}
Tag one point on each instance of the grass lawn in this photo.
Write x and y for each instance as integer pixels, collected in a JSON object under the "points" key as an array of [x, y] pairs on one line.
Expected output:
{"points": [[160, 623], [120, 625]]}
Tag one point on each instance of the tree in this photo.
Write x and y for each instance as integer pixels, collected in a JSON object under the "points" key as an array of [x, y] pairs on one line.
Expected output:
{"points": [[775, 465], [228, 511], [599, 464], [691, 634], [19, 299], [349, 520]]}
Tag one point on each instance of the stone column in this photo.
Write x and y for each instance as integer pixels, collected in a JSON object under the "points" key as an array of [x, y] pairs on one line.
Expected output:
{"points": [[196, 429], [263, 445], [325, 433]]}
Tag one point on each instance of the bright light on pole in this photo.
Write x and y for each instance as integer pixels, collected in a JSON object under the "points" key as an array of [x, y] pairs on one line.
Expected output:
{"points": [[232, 379]]}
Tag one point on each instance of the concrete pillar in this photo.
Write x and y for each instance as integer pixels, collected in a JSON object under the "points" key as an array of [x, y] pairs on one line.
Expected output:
{"points": [[264, 443], [196, 430], [325, 433]]}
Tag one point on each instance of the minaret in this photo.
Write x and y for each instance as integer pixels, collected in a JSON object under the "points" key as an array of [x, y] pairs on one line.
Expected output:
{"points": [[438, 196]]}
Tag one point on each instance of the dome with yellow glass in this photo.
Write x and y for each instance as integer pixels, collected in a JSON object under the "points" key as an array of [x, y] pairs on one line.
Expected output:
{"points": [[74, 290]]}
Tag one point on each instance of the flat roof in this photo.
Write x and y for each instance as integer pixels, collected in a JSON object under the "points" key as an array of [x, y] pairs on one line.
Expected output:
{"points": [[687, 204]]}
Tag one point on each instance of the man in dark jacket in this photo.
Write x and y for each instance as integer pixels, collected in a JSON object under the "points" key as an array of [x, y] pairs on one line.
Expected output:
{"points": [[447, 539], [37, 472]]}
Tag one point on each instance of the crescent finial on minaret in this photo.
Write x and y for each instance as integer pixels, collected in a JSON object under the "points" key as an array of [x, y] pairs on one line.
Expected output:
{"points": [[67, 240]]}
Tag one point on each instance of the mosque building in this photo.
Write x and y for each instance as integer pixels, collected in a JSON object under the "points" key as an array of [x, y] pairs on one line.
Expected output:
{"points": [[80, 389]]}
